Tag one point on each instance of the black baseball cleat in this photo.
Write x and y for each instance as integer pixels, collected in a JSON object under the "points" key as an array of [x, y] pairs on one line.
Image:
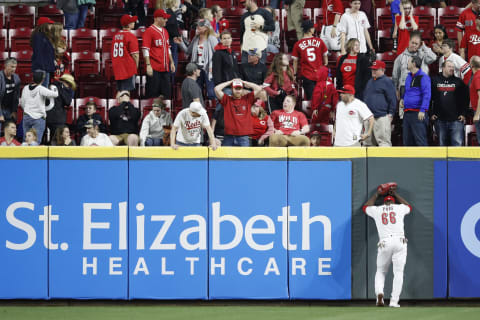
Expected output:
{"points": [[380, 302]]}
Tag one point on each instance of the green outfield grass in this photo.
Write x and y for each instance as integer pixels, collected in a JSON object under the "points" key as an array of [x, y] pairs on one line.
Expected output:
{"points": [[250, 312]]}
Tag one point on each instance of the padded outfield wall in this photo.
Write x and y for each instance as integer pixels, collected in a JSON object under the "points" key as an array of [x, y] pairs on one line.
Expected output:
{"points": [[235, 223]]}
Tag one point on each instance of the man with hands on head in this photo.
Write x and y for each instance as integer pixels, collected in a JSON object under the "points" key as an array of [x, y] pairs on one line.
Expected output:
{"points": [[237, 110]]}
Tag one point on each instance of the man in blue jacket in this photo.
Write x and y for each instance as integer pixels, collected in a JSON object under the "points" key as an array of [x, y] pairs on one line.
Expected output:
{"points": [[381, 99], [415, 101]]}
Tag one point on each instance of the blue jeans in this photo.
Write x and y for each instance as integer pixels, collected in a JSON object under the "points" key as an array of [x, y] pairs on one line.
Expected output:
{"points": [[37, 124], [414, 130], [71, 20], [46, 81], [450, 133], [153, 142], [82, 15], [209, 84], [174, 49], [274, 4], [236, 141]]}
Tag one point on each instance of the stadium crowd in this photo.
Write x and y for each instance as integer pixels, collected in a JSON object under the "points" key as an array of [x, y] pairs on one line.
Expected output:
{"points": [[207, 81]]}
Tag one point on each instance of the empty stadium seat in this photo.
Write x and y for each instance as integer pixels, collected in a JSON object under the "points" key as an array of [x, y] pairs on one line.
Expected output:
{"points": [[83, 40], [307, 108], [449, 16], [107, 69], [110, 17], [3, 40], [426, 17], [106, 37], [470, 135], [51, 11], [92, 84], [384, 40], [318, 18], [21, 16], [81, 105], [86, 62], [384, 18], [389, 59], [20, 39], [2, 16], [24, 65], [139, 34], [221, 3]]}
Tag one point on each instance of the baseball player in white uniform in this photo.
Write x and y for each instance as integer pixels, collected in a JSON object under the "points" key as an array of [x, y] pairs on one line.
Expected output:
{"points": [[392, 245]]}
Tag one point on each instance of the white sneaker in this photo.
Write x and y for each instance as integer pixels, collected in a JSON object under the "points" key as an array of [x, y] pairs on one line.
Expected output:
{"points": [[380, 302], [394, 304]]}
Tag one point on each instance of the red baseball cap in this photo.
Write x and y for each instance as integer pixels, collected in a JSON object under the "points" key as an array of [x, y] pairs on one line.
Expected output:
{"points": [[260, 103], [43, 20], [378, 64], [389, 198], [347, 89], [127, 19], [160, 13]]}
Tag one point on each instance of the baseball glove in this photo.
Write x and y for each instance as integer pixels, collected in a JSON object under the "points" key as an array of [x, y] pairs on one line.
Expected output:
{"points": [[385, 187]]}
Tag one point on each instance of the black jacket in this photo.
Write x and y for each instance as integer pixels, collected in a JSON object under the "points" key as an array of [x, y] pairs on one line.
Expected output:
{"points": [[16, 95], [58, 114], [450, 97], [225, 66], [82, 120], [362, 74], [172, 26], [254, 73], [124, 119]]}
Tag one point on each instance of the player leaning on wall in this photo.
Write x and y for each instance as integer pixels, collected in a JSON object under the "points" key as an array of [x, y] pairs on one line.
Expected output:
{"points": [[392, 245]]}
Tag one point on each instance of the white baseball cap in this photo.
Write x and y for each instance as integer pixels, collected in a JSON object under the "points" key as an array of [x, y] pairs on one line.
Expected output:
{"points": [[197, 107]]}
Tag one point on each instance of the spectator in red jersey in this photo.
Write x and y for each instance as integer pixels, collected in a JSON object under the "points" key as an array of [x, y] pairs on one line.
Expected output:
{"points": [[43, 56], [262, 124], [291, 126], [324, 99], [471, 41], [466, 22], [332, 11], [279, 82], [224, 61], [8, 139], [201, 51], [124, 53], [311, 53], [474, 92], [404, 23], [158, 57], [237, 113], [352, 68], [124, 121]]}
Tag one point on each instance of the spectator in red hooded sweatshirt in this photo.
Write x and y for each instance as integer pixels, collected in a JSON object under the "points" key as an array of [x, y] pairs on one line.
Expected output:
{"points": [[324, 98]]}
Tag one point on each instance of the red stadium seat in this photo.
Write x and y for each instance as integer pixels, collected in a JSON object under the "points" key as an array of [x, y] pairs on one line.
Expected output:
{"points": [[384, 18], [389, 59], [427, 34], [427, 16], [449, 16], [24, 65], [318, 18], [110, 17], [3, 57], [307, 108], [21, 16], [2, 17], [3, 40], [81, 103], [107, 69], [384, 40], [380, 3], [92, 85], [84, 63], [20, 39], [83, 40], [325, 130], [471, 135], [221, 3], [51, 11], [106, 38], [139, 34]]}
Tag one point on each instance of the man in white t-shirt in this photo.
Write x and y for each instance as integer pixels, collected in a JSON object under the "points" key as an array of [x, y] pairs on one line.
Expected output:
{"points": [[188, 127], [392, 245], [354, 25], [351, 113], [94, 137]]}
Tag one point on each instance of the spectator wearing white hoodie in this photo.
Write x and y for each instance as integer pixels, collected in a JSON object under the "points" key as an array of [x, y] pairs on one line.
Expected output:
{"points": [[33, 104], [152, 132]]}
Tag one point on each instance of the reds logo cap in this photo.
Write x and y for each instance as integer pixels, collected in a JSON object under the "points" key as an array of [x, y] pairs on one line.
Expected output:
{"points": [[347, 89], [160, 13], [127, 19], [378, 65]]}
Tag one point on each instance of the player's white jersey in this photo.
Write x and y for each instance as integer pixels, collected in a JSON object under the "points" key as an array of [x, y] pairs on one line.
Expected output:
{"points": [[389, 219]]}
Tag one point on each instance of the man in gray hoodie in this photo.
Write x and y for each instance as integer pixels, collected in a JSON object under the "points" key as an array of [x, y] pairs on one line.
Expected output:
{"points": [[416, 48]]}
